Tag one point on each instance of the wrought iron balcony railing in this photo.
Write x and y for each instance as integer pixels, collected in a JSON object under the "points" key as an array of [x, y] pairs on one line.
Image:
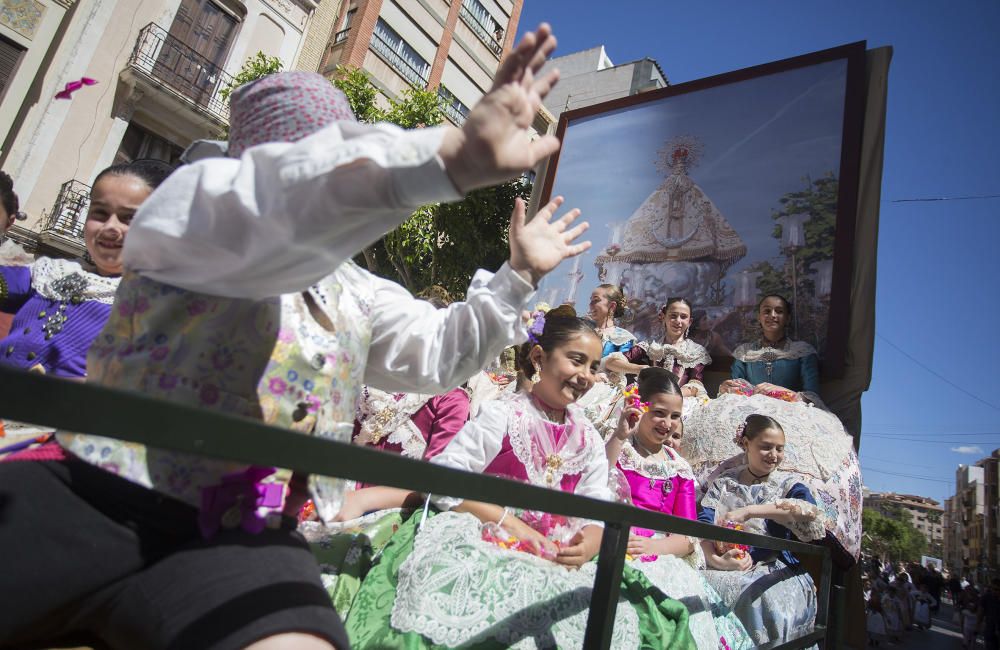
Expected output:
{"points": [[454, 109], [175, 64], [481, 30], [384, 50], [341, 36], [69, 213]]}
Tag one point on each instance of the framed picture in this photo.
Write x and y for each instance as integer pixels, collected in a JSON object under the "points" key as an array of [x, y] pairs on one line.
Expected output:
{"points": [[721, 190]]}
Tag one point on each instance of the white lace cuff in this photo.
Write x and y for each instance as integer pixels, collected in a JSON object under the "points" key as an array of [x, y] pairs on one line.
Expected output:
{"points": [[614, 356], [698, 386], [813, 525], [696, 558], [445, 503]]}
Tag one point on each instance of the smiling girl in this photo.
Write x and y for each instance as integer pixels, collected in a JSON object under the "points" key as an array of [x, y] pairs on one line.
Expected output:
{"points": [[60, 304], [658, 479], [513, 565], [760, 498]]}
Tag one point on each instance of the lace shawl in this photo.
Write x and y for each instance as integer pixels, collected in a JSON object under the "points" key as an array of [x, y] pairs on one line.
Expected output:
{"points": [[686, 353], [46, 272], [758, 351]]}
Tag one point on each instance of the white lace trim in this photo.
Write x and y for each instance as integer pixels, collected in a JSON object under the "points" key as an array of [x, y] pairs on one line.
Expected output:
{"points": [[565, 462], [617, 335], [757, 351], [815, 441], [651, 467], [687, 353], [809, 530], [456, 589], [727, 493], [383, 414], [45, 271], [317, 531], [11, 254], [411, 439]]}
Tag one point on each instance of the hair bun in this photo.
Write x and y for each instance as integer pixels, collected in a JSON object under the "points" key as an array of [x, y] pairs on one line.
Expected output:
{"points": [[562, 311]]}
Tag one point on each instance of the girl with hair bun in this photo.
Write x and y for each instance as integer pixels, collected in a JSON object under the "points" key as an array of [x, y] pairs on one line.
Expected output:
{"points": [[769, 591], [654, 477], [516, 563], [607, 306]]}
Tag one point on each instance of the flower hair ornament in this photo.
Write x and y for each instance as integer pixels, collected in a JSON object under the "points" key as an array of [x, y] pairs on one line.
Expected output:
{"points": [[631, 395], [740, 436], [536, 322]]}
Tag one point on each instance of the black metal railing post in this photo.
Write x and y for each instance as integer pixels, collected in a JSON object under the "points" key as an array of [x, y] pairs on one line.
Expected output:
{"points": [[607, 587]]}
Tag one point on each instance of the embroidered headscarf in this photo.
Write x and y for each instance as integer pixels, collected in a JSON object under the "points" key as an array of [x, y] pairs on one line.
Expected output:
{"points": [[282, 107]]}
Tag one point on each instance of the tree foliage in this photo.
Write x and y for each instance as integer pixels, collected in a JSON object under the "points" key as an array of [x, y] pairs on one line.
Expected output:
{"points": [[257, 66], [894, 538]]}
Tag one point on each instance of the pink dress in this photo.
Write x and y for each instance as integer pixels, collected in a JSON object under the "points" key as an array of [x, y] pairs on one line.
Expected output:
{"points": [[665, 486]]}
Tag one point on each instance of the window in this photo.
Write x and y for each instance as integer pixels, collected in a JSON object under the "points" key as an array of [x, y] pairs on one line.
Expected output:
{"points": [[10, 57], [349, 18], [399, 54], [341, 36], [141, 143]]}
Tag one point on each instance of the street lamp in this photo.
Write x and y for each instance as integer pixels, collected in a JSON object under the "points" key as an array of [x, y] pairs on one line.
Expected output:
{"points": [[793, 237]]}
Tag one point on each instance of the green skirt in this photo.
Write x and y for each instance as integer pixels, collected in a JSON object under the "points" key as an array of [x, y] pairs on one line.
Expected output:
{"points": [[446, 588]]}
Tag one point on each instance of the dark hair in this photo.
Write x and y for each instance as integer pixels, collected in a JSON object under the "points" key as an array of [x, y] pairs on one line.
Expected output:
{"points": [[657, 381], [671, 301], [436, 295], [7, 195], [561, 325], [150, 171], [617, 296], [756, 424], [784, 302], [696, 317]]}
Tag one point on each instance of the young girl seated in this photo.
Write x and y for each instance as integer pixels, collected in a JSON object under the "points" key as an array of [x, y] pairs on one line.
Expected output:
{"points": [[655, 477], [481, 574], [239, 296], [60, 305], [770, 592]]}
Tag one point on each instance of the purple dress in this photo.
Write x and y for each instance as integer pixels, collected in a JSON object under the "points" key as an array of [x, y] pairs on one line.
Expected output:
{"points": [[59, 309]]}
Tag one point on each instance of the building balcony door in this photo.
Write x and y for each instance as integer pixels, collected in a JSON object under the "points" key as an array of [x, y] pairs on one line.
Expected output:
{"points": [[194, 54]]}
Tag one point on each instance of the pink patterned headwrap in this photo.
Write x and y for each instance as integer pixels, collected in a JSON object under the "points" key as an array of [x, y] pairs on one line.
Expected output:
{"points": [[283, 107]]}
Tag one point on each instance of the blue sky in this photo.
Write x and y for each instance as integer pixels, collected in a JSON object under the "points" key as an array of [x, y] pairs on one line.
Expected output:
{"points": [[936, 387]]}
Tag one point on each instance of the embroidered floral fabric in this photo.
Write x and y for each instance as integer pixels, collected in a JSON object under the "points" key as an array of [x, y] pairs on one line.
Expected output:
{"points": [[455, 587], [388, 416]]}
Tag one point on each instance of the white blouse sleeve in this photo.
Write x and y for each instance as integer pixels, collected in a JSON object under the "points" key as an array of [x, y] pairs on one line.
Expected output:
{"points": [[474, 447], [417, 348], [284, 215]]}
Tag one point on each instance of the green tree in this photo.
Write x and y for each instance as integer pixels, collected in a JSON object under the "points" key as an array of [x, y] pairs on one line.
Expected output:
{"points": [[257, 66], [893, 538]]}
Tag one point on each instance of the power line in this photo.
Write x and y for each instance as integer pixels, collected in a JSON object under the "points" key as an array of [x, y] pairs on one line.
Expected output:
{"points": [[971, 197], [896, 462], [929, 434], [913, 476], [933, 442], [936, 374]]}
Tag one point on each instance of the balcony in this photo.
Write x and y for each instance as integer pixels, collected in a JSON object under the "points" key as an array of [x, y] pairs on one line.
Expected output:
{"points": [[341, 36], [455, 110], [385, 51], [482, 31], [170, 64], [63, 226]]}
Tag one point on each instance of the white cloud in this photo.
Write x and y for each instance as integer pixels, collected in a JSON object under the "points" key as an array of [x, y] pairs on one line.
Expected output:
{"points": [[967, 449]]}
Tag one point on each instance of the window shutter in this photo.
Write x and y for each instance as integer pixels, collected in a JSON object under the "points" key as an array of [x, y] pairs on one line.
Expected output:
{"points": [[10, 55]]}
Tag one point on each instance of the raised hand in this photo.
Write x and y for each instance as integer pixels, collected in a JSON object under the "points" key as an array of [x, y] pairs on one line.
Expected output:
{"points": [[540, 245], [494, 144]]}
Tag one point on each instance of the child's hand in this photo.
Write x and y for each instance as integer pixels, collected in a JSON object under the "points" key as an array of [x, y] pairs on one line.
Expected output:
{"points": [[628, 422], [494, 145], [731, 560], [740, 515], [351, 509], [540, 245], [580, 550], [544, 547], [638, 546]]}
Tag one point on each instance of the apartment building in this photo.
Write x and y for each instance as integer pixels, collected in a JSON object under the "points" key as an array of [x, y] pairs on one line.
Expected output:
{"points": [[159, 66], [925, 514], [453, 46], [590, 77]]}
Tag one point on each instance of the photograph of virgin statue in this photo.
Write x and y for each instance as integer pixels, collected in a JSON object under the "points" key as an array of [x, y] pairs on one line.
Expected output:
{"points": [[720, 191]]}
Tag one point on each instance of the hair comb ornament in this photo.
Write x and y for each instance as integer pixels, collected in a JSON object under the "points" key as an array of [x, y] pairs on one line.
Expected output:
{"points": [[739, 433], [73, 86], [536, 322]]}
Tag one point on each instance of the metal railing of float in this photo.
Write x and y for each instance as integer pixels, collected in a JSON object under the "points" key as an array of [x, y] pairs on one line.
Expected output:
{"points": [[88, 408]]}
